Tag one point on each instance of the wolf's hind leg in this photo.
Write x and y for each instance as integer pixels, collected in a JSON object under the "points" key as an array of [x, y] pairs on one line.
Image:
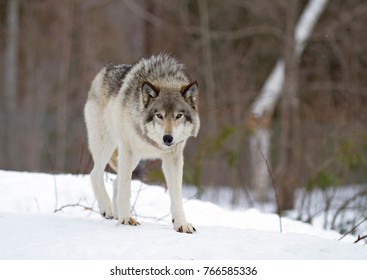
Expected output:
{"points": [[127, 162], [114, 199], [101, 158]]}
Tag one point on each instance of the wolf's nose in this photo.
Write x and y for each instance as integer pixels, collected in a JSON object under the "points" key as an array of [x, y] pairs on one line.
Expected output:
{"points": [[167, 139]]}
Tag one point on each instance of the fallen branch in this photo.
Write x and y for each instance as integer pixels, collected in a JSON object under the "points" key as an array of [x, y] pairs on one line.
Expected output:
{"points": [[75, 205], [360, 238]]}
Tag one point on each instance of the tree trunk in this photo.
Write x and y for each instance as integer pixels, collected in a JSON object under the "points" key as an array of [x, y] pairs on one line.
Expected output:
{"points": [[11, 55], [258, 123], [62, 95], [32, 103], [10, 81], [288, 168], [262, 109], [208, 67]]}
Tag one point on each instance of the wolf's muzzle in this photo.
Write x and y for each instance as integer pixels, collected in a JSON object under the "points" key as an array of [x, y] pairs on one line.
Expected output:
{"points": [[167, 139]]}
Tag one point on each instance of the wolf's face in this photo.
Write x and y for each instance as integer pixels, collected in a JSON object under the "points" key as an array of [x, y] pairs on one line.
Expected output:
{"points": [[171, 113]]}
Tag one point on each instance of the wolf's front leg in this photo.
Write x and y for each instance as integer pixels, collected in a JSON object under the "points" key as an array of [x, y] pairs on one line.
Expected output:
{"points": [[172, 165], [126, 164]]}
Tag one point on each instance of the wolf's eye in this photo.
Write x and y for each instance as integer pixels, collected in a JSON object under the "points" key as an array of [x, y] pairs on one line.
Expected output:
{"points": [[179, 116], [159, 116]]}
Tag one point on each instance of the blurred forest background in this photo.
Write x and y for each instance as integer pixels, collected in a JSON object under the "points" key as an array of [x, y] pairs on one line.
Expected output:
{"points": [[315, 135]]}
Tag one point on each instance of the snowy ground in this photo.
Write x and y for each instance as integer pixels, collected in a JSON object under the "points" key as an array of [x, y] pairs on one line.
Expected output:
{"points": [[29, 228]]}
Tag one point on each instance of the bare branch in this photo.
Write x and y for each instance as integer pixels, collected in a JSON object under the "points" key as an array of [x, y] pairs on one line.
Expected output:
{"points": [[75, 205], [136, 199], [157, 21], [271, 91], [345, 205], [194, 30], [97, 4], [360, 238], [54, 175], [347, 17], [245, 32], [353, 229], [275, 190]]}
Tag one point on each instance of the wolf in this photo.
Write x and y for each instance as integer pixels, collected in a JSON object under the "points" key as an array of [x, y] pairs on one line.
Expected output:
{"points": [[136, 112]]}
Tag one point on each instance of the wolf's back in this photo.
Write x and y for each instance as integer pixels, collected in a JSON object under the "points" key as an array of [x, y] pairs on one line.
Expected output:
{"points": [[114, 77], [162, 70]]}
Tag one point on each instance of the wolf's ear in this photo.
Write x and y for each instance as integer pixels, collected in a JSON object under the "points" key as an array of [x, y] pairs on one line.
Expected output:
{"points": [[190, 93], [150, 92]]}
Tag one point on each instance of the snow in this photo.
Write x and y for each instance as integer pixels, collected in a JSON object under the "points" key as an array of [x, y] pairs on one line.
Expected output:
{"points": [[29, 228]]}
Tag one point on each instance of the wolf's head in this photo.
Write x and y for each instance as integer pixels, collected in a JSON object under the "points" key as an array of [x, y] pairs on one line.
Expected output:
{"points": [[171, 112], [163, 99]]}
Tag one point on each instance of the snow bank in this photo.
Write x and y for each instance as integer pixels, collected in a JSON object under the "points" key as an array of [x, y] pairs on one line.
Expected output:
{"points": [[30, 229]]}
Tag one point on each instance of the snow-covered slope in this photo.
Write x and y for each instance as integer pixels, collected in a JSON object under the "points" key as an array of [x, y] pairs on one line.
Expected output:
{"points": [[30, 230]]}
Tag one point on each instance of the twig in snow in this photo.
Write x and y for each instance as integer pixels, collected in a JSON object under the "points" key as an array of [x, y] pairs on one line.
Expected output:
{"points": [[360, 238], [136, 199], [353, 229], [275, 190], [54, 176], [75, 205]]}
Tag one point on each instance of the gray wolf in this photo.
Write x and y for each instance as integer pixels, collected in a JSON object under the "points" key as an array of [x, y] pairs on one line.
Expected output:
{"points": [[142, 111]]}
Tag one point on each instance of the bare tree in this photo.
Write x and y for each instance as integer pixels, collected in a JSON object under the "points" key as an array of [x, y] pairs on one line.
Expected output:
{"points": [[63, 82], [288, 168], [11, 56], [262, 109], [10, 89], [231, 46], [208, 65]]}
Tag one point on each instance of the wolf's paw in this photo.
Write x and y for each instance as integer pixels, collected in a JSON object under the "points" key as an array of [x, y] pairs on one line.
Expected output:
{"points": [[106, 212], [128, 221], [184, 227]]}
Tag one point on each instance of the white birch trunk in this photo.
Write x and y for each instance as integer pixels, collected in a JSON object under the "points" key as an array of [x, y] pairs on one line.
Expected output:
{"points": [[263, 106]]}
